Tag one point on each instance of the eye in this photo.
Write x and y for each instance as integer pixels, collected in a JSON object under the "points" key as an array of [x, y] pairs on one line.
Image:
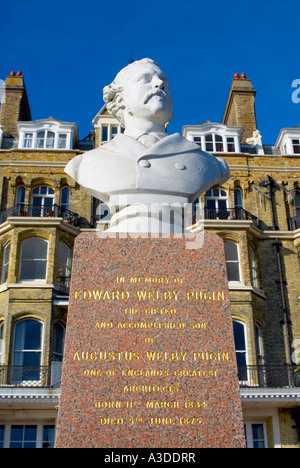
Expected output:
{"points": [[144, 79]]}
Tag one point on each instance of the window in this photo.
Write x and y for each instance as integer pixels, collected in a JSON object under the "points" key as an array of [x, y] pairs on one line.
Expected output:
{"points": [[27, 436], [48, 436], [45, 139], [1, 341], [253, 266], [5, 263], [216, 204], [27, 351], [259, 345], [296, 145], [297, 202], [104, 133], [256, 436], [219, 143], [64, 260], [238, 203], [20, 199], [109, 131], [209, 146], [65, 198], [33, 262], [23, 437], [230, 145], [1, 436], [232, 261], [215, 143], [42, 201], [114, 131], [59, 342], [62, 141], [238, 198], [28, 140], [240, 350], [198, 141], [40, 139]]}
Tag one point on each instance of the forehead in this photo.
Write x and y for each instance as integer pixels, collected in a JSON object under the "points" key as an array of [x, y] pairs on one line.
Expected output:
{"points": [[149, 69]]}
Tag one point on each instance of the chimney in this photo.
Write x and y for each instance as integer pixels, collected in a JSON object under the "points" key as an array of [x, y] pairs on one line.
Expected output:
{"points": [[240, 107], [14, 106]]}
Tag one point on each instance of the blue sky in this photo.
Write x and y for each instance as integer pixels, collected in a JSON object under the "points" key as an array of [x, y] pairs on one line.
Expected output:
{"points": [[68, 50]]}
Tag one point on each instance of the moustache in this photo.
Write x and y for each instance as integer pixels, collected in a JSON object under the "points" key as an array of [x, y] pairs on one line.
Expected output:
{"points": [[159, 92]]}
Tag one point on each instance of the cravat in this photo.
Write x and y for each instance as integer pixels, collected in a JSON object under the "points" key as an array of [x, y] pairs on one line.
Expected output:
{"points": [[148, 140]]}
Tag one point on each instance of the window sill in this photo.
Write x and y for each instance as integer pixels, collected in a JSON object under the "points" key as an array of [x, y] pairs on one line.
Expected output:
{"points": [[26, 284], [238, 286]]}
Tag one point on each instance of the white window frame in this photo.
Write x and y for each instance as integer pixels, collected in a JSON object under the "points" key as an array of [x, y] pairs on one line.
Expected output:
{"points": [[39, 435], [5, 262], [68, 266], [110, 135], [295, 144], [43, 197], [40, 351], [249, 433], [40, 281], [217, 198], [238, 261], [260, 345], [253, 267], [245, 352]]}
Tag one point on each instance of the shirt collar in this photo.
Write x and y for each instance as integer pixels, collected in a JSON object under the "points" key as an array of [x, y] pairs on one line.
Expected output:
{"points": [[137, 133]]}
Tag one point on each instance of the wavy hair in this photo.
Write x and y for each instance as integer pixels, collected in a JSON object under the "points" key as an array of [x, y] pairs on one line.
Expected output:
{"points": [[112, 94]]}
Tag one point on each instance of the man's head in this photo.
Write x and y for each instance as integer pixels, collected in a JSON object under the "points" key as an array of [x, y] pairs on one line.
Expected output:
{"points": [[140, 90]]}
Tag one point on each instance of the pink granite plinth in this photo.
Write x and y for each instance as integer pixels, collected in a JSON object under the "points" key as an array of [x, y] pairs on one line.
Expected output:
{"points": [[149, 354]]}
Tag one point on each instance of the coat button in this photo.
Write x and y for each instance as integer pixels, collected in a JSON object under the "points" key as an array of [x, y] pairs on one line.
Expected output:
{"points": [[180, 166], [144, 163]]}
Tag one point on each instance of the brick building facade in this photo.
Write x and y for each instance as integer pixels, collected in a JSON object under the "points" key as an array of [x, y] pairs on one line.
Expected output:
{"points": [[256, 213]]}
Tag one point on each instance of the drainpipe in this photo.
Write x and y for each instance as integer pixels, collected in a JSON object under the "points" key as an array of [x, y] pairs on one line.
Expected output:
{"points": [[270, 184]]}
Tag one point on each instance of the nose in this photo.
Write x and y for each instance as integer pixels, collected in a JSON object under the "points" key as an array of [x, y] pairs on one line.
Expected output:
{"points": [[158, 82]]}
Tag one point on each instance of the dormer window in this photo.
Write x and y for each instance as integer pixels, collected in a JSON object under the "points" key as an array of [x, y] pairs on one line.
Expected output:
{"points": [[214, 138], [296, 145], [288, 141], [47, 134]]}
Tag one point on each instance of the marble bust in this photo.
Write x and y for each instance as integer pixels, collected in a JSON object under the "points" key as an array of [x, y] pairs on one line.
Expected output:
{"points": [[144, 166]]}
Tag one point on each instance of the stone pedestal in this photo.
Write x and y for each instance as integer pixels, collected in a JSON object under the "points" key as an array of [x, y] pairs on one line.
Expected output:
{"points": [[149, 354]]}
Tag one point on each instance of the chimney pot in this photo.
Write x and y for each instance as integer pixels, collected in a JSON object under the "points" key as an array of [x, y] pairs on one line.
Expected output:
{"points": [[243, 76], [236, 76], [12, 73], [19, 73]]}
